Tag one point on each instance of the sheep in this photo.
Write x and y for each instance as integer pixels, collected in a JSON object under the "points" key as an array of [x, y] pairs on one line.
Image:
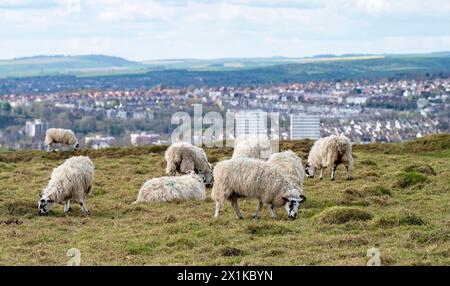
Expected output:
{"points": [[252, 146], [71, 181], [183, 157], [168, 189], [62, 136], [330, 152], [291, 165], [254, 178]]}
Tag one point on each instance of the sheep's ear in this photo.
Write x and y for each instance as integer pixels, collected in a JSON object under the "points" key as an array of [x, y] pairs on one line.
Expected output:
{"points": [[285, 199], [50, 201], [303, 198]]}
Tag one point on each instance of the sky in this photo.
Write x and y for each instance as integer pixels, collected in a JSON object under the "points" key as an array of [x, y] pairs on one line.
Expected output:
{"points": [[169, 29]]}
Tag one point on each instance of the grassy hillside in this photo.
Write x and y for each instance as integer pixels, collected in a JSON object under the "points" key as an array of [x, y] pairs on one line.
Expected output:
{"points": [[399, 201], [57, 65], [245, 63]]}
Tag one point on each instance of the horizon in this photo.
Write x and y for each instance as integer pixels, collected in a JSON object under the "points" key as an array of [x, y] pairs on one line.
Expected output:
{"points": [[223, 58], [141, 30]]}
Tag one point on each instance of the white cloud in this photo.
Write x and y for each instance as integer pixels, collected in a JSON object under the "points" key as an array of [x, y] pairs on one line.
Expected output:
{"points": [[142, 29], [374, 6], [117, 10]]}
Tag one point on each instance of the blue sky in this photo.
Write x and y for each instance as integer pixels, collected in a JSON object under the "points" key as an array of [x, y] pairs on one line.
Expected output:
{"points": [[145, 29]]}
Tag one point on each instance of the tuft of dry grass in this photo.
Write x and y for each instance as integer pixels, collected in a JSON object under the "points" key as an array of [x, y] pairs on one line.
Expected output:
{"points": [[423, 169], [400, 219], [231, 251], [340, 215]]}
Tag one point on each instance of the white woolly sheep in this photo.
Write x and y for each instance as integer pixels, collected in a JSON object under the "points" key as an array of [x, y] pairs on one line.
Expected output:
{"points": [[252, 146], [330, 152], [253, 178], [71, 181], [183, 157], [61, 136], [168, 189], [291, 166]]}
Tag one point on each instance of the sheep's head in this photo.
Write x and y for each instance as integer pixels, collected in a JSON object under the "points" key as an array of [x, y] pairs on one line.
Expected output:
{"points": [[198, 175], [45, 204], [292, 204], [309, 170], [209, 179]]}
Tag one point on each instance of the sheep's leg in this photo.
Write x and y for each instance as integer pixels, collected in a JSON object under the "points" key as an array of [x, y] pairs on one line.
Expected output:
{"points": [[218, 207], [234, 204], [348, 172], [333, 172], [88, 190], [272, 211], [49, 147], [84, 209], [256, 214], [321, 173], [67, 207]]}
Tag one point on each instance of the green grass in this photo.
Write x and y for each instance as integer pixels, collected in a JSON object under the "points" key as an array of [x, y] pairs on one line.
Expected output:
{"points": [[407, 179], [336, 225]]}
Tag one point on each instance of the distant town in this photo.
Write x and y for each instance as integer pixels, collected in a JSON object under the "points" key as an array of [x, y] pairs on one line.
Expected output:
{"points": [[364, 110]]}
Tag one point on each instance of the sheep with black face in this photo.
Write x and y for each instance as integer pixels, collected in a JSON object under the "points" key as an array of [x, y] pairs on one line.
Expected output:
{"points": [[183, 158], [253, 178], [330, 152], [71, 181], [60, 136]]}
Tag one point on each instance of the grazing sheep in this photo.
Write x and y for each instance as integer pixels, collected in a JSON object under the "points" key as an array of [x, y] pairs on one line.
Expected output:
{"points": [[62, 136], [257, 147], [168, 189], [291, 166], [71, 181], [330, 152], [253, 178], [183, 157]]}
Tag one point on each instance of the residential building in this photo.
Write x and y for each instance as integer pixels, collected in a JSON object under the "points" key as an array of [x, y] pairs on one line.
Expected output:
{"points": [[251, 123], [305, 126], [35, 128], [143, 139], [99, 142]]}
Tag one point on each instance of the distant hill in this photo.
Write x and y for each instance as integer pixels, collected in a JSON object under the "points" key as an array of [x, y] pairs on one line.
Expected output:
{"points": [[365, 67], [59, 64], [98, 71], [227, 64]]}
